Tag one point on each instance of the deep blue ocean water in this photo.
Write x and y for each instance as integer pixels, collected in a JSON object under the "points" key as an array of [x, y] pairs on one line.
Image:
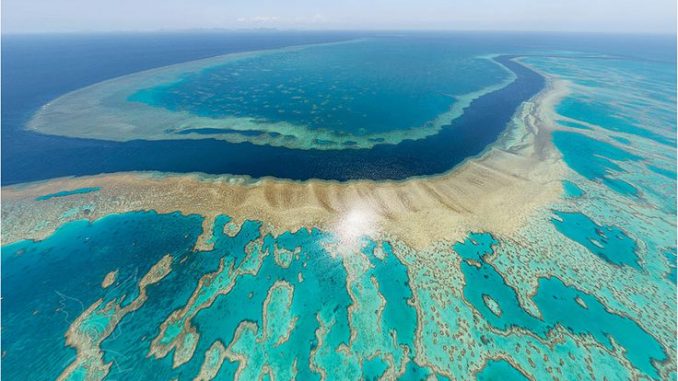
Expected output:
{"points": [[40, 68]]}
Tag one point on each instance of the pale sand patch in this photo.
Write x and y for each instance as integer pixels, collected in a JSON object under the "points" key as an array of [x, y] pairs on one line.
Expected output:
{"points": [[497, 191], [109, 279]]}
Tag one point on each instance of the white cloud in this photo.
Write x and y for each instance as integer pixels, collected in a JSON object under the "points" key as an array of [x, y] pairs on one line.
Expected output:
{"points": [[265, 19], [258, 19]]}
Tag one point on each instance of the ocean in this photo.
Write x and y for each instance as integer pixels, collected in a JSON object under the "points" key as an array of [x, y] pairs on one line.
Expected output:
{"points": [[38, 69], [584, 287]]}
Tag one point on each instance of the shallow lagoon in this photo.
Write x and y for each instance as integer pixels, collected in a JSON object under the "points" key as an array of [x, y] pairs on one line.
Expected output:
{"points": [[358, 88]]}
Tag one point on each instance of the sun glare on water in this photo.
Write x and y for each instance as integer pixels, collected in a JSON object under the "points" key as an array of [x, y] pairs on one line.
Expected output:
{"points": [[357, 222]]}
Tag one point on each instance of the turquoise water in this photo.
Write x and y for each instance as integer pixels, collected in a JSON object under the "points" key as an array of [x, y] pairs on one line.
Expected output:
{"points": [[291, 294], [41, 291], [373, 369], [603, 115], [572, 190], [672, 274], [595, 159], [584, 290], [249, 265], [352, 87], [631, 102], [500, 370], [671, 174], [213, 131], [608, 242], [68, 193], [559, 304], [626, 165], [584, 314]]}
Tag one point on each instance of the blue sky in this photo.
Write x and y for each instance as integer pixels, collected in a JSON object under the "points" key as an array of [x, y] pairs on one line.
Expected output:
{"points": [[648, 16]]}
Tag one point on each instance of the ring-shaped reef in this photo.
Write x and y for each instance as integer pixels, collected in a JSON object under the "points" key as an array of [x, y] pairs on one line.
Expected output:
{"points": [[341, 111]]}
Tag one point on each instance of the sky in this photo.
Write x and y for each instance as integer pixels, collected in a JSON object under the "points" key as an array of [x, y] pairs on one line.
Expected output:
{"points": [[607, 16]]}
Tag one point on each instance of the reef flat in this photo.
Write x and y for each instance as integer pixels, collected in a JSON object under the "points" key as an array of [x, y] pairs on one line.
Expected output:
{"points": [[551, 255]]}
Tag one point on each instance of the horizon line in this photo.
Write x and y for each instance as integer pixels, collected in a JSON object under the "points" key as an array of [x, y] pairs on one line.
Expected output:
{"points": [[333, 30]]}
